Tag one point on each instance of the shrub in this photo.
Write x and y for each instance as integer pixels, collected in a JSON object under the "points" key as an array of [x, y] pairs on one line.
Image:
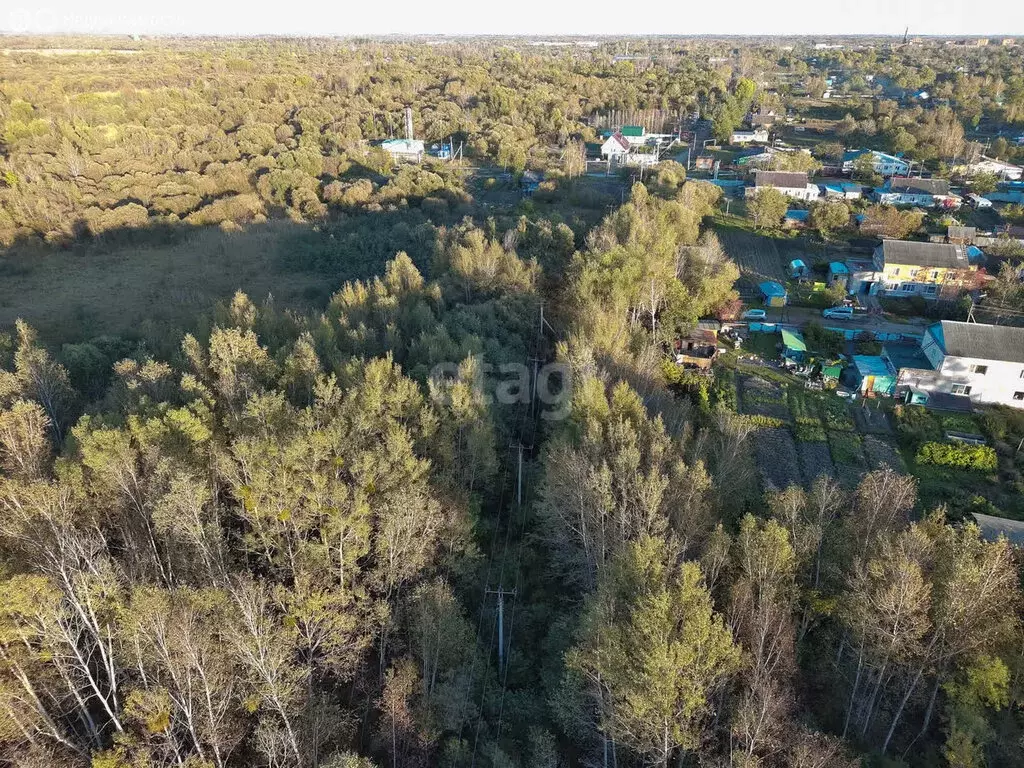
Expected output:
{"points": [[809, 430], [917, 423], [979, 458], [759, 421]]}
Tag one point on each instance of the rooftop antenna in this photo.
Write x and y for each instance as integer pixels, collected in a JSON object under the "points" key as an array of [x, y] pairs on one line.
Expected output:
{"points": [[408, 123]]}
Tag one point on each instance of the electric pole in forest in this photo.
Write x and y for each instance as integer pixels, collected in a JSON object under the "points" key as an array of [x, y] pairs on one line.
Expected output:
{"points": [[502, 594]]}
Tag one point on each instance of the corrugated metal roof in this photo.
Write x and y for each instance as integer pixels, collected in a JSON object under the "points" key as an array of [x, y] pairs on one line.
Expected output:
{"points": [[790, 179], [793, 340], [632, 130], [980, 340], [961, 233], [771, 288], [838, 268], [402, 145], [872, 365], [917, 186], [924, 254]]}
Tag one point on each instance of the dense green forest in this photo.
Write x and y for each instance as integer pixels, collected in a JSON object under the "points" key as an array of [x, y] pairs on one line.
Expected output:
{"points": [[279, 533]]}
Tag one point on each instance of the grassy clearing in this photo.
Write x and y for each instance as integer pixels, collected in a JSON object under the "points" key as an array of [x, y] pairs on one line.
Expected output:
{"points": [[152, 290], [764, 345]]}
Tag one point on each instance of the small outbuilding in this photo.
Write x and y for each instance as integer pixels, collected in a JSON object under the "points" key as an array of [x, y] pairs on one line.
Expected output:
{"points": [[793, 346], [796, 219], [838, 274], [798, 269], [697, 349], [872, 375], [773, 293]]}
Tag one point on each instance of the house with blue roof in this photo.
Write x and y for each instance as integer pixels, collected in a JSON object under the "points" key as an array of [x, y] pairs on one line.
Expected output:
{"points": [[842, 190], [884, 165], [981, 362]]}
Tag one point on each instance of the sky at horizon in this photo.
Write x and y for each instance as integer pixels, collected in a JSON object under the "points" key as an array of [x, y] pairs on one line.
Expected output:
{"points": [[526, 17]]}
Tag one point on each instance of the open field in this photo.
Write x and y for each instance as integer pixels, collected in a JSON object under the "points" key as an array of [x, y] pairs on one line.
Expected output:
{"points": [[150, 289]]}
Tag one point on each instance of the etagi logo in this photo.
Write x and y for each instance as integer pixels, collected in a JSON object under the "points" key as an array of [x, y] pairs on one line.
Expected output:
{"points": [[546, 387]]}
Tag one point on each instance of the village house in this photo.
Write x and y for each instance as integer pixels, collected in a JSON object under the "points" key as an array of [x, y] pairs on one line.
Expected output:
{"points": [[982, 362], [615, 145], [842, 190], [790, 183], [759, 135], [884, 165], [928, 193], [932, 270], [1004, 171], [404, 150], [763, 119]]}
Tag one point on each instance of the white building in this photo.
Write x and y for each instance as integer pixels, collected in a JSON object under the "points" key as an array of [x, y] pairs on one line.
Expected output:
{"points": [[982, 362], [615, 146], [928, 193], [790, 183], [1005, 171], [884, 165], [404, 150], [758, 135]]}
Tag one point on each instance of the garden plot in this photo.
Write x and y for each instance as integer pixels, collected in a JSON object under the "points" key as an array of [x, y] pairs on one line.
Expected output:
{"points": [[756, 256], [836, 414], [776, 455], [881, 453], [872, 421], [815, 460], [763, 398], [848, 455]]}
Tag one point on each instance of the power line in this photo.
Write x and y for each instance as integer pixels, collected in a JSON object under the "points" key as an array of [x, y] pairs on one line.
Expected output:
{"points": [[521, 423]]}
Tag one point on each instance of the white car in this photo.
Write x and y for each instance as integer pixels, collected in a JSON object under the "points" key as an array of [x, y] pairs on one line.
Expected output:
{"points": [[841, 313], [755, 314]]}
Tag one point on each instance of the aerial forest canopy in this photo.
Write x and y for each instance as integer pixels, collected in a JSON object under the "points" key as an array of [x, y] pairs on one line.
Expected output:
{"points": [[445, 508]]}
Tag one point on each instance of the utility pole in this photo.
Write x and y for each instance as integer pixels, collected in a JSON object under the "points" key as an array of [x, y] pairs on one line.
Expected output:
{"points": [[501, 593], [653, 321]]}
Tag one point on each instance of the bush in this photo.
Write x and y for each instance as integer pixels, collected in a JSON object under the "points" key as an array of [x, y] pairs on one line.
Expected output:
{"points": [[917, 423], [820, 339], [979, 458]]}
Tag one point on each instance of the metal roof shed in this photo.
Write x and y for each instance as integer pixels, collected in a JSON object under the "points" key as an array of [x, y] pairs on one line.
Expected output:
{"points": [[874, 375], [793, 344], [774, 293]]}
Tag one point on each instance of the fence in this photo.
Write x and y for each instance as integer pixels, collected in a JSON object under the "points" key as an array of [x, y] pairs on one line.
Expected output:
{"points": [[847, 333]]}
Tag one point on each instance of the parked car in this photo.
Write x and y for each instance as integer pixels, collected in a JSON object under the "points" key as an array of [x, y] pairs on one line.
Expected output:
{"points": [[755, 314], [843, 313]]}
